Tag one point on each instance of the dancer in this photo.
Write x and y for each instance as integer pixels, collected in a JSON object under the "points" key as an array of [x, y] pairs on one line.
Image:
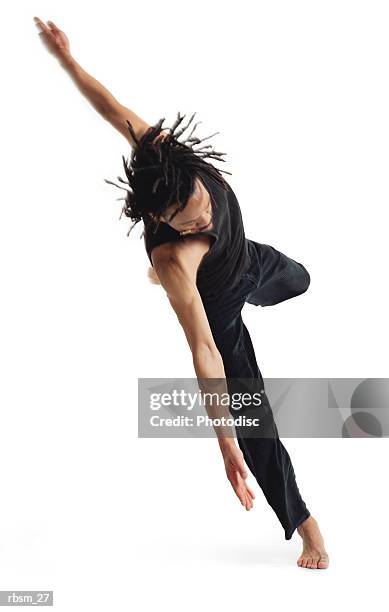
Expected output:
{"points": [[195, 240]]}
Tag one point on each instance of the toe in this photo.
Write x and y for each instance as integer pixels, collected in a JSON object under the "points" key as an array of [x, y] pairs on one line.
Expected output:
{"points": [[309, 562], [323, 562]]}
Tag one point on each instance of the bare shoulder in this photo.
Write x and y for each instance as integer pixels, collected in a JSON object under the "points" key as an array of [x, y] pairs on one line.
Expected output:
{"points": [[189, 249], [176, 264], [185, 254]]}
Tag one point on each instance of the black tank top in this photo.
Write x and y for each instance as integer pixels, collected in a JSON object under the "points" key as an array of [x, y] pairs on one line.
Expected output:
{"points": [[228, 257]]}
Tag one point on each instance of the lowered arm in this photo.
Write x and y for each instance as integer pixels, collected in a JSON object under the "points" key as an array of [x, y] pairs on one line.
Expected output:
{"points": [[177, 274]]}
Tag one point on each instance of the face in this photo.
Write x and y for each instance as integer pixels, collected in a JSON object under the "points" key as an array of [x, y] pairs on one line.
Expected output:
{"points": [[197, 214]]}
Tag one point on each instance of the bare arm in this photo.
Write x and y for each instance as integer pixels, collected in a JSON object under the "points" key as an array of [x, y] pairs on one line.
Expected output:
{"points": [[102, 100], [186, 301], [177, 268]]}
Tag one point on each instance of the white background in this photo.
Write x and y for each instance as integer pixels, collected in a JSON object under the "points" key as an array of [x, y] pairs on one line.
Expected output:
{"points": [[299, 93]]}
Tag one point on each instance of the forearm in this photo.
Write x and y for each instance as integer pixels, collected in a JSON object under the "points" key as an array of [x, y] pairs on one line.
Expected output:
{"points": [[210, 371], [209, 368], [100, 98], [208, 363]]}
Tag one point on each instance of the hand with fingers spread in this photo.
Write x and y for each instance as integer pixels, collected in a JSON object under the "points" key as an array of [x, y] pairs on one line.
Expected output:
{"points": [[55, 41], [237, 473]]}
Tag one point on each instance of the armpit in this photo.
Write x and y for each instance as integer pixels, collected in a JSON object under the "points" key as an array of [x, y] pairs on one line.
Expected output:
{"points": [[153, 276]]}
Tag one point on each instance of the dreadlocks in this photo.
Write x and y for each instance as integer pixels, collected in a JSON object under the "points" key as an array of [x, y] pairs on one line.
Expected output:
{"points": [[162, 171]]}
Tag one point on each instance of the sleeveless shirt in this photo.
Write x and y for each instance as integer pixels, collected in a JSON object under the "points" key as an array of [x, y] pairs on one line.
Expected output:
{"points": [[228, 257]]}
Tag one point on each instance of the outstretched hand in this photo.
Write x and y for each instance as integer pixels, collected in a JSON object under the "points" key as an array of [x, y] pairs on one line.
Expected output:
{"points": [[237, 474], [55, 41]]}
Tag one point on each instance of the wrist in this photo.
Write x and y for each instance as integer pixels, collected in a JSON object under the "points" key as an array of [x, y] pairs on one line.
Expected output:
{"points": [[226, 444], [67, 61]]}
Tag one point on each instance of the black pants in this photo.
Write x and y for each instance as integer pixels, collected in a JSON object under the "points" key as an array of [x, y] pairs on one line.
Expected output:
{"points": [[271, 278]]}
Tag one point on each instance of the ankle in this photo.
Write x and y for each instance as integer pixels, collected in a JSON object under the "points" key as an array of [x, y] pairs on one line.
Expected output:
{"points": [[307, 524]]}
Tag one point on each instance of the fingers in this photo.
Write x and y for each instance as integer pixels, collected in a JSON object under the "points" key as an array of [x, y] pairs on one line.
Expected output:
{"points": [[249, 496], [46, 35], [241, 467], [249, 504], [49, 31], [247, 501], [237, 474], [52, 25], [42, 25], [250, 492], [243, 498], [242, 491]]}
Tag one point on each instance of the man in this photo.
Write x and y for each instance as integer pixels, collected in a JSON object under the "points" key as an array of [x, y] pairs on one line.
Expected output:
{"points": [[195, 239]]}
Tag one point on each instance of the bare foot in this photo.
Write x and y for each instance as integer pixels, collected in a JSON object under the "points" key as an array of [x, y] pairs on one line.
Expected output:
{"points": [[314, 555]]}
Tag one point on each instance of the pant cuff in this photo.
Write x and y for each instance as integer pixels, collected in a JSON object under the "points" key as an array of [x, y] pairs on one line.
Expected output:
{"points": [[290, 532]]}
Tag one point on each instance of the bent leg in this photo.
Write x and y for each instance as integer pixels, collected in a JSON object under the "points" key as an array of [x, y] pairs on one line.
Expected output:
{"points": [[278, 276]]}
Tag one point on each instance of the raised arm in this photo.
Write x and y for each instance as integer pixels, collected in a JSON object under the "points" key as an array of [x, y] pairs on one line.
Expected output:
{"points": [[176, 266], [57, 43]]}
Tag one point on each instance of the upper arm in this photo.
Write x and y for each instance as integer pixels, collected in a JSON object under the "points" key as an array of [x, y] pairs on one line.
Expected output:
{"points": [[118, 115], [177, 274]]}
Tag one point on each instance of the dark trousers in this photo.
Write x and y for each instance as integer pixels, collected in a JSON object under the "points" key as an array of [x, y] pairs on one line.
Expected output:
{"points": [[271, 278]]}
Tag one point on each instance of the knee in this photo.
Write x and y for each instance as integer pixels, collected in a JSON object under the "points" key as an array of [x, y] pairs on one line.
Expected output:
{"points": [[304, 279]]}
